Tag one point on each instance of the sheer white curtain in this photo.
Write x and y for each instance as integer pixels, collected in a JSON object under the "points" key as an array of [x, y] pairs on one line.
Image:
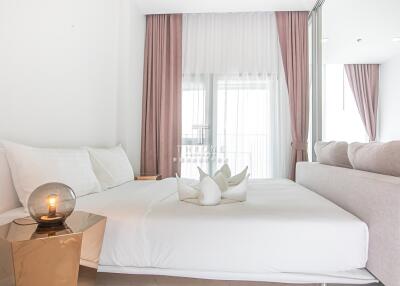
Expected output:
{"points": [[340, 117], [196, 120], [230, 43], [233, 61]]}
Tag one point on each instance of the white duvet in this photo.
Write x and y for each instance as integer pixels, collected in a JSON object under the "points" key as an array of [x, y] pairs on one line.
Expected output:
{"points": [[281, 228]]}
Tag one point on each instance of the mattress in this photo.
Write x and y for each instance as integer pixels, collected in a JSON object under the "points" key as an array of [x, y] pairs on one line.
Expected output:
{"points": [[282, 228]]}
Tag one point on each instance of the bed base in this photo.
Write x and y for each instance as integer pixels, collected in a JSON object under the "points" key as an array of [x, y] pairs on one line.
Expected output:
{"points": [[159, 280], [357, 276]]}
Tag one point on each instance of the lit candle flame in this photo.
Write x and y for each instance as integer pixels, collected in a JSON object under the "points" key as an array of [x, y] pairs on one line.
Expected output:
{"points": [[52, 201], [52, 204]]}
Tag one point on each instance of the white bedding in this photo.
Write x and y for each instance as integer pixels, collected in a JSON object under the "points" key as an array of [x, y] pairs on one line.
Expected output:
{"points": [[282, 230]]}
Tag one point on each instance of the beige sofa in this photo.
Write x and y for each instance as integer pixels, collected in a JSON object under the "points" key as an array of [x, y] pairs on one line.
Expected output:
{"points": [[373, 198]]}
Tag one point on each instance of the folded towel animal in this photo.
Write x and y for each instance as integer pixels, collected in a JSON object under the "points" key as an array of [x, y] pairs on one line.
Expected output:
{"points": [[238, 192], [185, 191], [225, 171], [210, 191]]}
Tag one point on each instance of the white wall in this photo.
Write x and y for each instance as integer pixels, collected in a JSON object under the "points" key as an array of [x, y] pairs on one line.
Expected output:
{"points": [[389, 100], [222, 6], [131, 58], [70, 72]]}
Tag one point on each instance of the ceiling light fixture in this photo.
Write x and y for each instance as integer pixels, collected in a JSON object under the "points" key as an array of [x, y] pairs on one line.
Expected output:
{"points": [[396, 39]]}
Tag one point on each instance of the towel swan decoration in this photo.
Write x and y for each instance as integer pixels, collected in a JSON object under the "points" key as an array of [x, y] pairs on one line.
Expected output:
{"points": [[211, 191]]}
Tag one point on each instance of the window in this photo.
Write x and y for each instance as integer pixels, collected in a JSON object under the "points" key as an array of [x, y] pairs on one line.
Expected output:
{"points": [[235, 103], [196, 119], [230, 119], [242, 123], [341, 119]]}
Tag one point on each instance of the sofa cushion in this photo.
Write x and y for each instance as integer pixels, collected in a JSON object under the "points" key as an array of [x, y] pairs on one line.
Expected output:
{"points": [[332, 153], [381, 158]]}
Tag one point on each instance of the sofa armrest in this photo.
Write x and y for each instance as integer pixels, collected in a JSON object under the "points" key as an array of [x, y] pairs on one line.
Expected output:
{"points": [[373, 198]]}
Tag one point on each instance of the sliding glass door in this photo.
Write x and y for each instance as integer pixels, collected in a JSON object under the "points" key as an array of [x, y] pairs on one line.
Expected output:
{"points": [[315, 68], [233, 119], [243, 106], [196, 125]]}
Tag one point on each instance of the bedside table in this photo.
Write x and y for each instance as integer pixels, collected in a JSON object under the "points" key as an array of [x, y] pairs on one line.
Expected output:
{"points": [[32, 256], [148, 178]]}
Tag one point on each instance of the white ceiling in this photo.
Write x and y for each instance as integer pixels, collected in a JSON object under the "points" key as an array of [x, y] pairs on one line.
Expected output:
{"points": [[376, 22], [208, 6]]}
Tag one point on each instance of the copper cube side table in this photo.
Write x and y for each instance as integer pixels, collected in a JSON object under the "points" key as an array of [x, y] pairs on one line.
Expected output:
{"points": [[32, 256]]}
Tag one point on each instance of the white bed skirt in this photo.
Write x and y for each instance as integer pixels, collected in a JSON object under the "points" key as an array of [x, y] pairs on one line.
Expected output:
{"points": [[359, 276]]}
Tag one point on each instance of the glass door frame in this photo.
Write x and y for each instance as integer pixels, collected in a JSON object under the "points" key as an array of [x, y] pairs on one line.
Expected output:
{"points": [[315, 22]]}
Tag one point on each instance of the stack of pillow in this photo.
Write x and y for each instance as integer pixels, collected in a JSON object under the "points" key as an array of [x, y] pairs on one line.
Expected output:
{"points": [[381, 158], [85, 170]]}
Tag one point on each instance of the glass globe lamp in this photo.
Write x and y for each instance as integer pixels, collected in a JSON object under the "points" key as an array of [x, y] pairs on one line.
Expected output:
{"points": [[50, 204]]}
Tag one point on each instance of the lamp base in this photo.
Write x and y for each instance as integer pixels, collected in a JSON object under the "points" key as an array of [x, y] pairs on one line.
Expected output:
{"points": [[51, 230], [60, 225], [46, 220]]}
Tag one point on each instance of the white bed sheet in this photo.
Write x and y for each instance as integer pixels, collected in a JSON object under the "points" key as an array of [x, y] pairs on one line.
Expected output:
{"points": [[282, 233]]}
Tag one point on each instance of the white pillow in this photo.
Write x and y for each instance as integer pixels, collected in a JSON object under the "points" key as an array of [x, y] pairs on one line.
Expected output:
{"points": [[8, 195], [111, 166], [31, 167]]}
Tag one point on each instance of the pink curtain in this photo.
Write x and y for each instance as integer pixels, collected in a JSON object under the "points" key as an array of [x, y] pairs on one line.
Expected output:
{"points": [[364, 82], [293, 39], [161, 108]]}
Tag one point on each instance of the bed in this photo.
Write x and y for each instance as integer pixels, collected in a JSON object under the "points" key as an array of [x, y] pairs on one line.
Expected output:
{"points": [[282, 233]]}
